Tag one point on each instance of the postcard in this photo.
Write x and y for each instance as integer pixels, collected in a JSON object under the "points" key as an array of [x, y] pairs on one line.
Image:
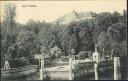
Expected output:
{"points": [[63, 40]]}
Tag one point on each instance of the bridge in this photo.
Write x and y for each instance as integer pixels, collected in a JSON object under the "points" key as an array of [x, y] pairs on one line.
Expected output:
{"points": [[74, 70]]}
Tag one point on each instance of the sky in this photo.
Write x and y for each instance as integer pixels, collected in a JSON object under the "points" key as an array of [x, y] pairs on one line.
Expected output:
{"points": [[51, 10]]}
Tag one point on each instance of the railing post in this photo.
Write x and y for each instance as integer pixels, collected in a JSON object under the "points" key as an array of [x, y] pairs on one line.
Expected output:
{"points": [[39, 64], [112, 54], [70, 69], [103, 54], [96, 60], [6, 66], [96, 72], [42, 69], [117, 75], [71, 65]]}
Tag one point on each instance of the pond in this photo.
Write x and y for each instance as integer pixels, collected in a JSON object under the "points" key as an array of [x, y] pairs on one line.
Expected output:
{"points": [[36, 76]]}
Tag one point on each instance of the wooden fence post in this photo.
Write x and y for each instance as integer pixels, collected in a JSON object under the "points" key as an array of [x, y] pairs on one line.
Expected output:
{"points": [[6, 66], [71, 65], [41, 69], [103, 54], [39, 64], [70, 69], [112, 54], [117, 73], [96, 72]]}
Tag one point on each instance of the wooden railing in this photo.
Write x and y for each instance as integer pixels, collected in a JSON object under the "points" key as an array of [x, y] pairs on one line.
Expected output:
{"points": [[20, 71]]}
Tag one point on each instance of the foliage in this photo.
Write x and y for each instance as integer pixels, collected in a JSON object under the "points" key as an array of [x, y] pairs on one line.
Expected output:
{"points": [[46, 38], [10, 14], [83, 55], [8, 31], [117, 32], [25, 42], [86, 42], [103, 42], [116, 17], [35, 26]]}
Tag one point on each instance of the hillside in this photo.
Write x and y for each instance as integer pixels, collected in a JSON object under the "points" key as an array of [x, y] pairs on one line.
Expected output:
{"points": [[74, 16]]}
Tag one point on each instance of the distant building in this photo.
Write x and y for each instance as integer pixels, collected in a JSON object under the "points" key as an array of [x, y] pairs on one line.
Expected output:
{"points": [[56, 50], [74, 17]]}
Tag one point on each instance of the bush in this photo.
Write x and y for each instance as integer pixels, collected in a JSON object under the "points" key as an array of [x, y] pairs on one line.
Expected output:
{"points": [[64, 58], [83, 55]]}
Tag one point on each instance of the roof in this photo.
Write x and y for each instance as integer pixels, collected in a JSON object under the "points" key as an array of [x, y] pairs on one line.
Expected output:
{"points": [[55, 48]]}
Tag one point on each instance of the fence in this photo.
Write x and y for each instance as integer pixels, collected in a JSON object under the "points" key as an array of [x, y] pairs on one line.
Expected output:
{"points": [[21, 71]]}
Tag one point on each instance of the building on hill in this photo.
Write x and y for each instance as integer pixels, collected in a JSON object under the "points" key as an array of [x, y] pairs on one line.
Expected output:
{"points": [[74, 17]]}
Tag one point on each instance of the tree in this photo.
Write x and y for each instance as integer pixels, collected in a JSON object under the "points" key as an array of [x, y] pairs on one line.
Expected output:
{"points": [[46, 38], [73, 32], [10, 15], [86, 43], [35, 26], [117, 32], [26, 43], [124, 48], [116, 17], [63, 38], [83, 55], [9, 25], [8, 30], [81, 34], [123, 18], [23, 49], [116, 46], [101, 23], [103, 43]]}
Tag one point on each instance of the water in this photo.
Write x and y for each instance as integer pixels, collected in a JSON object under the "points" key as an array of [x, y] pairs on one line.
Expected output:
{"points": [[36, 76]]}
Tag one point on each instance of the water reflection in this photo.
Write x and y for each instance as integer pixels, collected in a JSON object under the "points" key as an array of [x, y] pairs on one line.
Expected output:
{"points": [[36, 76]]}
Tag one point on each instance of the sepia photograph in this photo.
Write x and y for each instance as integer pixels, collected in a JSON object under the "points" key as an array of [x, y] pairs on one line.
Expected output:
{"points": [[63, 40]]}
